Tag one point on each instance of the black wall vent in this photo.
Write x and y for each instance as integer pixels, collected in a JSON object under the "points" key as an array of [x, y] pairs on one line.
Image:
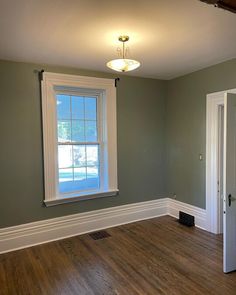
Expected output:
{"points": [[186, 219], [102, 234]]}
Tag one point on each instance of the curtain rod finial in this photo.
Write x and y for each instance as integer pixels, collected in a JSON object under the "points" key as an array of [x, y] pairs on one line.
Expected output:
{"points": [[116, 80], [41, 75]]}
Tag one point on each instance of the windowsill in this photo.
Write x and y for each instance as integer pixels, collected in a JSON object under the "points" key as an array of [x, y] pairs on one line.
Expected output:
{"points": [[82, 197]]}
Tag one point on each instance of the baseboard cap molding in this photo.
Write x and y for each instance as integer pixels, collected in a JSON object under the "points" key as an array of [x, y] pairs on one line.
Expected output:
{"points": [[31, 234], [40, 232]]}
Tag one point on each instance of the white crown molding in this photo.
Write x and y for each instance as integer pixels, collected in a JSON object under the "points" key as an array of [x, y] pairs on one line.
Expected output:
{"points": [[30, 234]]}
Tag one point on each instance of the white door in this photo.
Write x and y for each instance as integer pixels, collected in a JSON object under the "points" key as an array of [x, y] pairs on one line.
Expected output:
{"points": [[229, 182]]}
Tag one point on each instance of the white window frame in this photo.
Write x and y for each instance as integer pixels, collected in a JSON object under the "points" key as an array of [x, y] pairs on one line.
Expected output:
{"points": [[106, 92]]}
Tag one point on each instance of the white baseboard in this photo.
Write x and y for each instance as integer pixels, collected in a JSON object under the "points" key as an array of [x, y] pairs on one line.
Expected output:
{"points": [[30, 234], [175, 206]]}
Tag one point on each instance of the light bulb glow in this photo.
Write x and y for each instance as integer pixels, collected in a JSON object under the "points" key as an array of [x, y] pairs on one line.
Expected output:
{"points": [[123, 64]]}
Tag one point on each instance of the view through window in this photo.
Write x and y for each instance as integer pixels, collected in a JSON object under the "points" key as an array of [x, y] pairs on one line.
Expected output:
{"points": [[78, 143]]}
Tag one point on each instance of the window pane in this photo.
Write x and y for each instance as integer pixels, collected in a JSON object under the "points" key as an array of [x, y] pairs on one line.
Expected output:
{"points": [[65, 175], [65, 156], [64, 131], [92, 172], [80, 173], [93, 181], [78, 164], [91, 131], [78, 131], [77, 105], [79, 155], [92, 155], [90, 108], [63, 106]]}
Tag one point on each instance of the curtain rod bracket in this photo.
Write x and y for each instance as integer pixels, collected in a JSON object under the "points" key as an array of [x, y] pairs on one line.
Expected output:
{"points": [[41, 75], [116, 80]]}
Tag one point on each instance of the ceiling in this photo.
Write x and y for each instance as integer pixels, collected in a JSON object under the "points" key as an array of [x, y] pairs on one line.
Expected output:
{"points": [[169, 37]]}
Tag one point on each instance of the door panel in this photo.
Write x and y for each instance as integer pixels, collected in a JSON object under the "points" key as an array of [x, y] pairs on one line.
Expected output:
{"points": [[229, 182]]}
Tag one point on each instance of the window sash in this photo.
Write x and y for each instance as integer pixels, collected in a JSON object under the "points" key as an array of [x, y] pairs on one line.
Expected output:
{"points": [[78, 143], [83, 94], [73, 181]]}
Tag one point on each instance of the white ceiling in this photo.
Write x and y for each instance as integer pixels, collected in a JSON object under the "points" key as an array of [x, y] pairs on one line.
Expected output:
{"points": [[169, 37]]}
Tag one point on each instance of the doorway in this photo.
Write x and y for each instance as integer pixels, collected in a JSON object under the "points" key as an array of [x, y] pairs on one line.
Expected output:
{"points": [[220, 166], [221, 172], [214, 160]]}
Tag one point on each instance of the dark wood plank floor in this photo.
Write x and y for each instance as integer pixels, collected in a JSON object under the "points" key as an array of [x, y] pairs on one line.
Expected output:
{"points": [[157, 256]]}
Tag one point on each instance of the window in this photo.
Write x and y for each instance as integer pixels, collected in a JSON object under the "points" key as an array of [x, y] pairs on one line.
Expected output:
{"points": [[78, 143], [79, 130]]}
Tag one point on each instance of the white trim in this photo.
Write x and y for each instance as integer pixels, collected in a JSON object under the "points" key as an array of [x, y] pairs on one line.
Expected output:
{"points": [[30, 234], [106, 91], [73, 80], [26, 235], [199, 213], [214, 100], [84, 196]]}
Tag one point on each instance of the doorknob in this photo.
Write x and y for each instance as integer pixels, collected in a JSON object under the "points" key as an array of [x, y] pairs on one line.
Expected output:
{"points": [[230, 198]]}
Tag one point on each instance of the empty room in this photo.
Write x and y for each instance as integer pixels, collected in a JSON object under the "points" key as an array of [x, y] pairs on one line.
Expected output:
{"points": [[118, 147]]}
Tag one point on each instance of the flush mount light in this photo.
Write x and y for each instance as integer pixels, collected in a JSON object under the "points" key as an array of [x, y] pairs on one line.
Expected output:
{"points": [[123, 64]]}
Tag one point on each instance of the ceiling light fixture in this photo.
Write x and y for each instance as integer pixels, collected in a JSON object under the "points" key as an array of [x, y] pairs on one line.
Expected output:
{"points": [[123, 64]]}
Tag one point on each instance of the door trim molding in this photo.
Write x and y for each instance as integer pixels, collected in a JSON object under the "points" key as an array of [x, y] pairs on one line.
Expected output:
{"points": [[213, 101]]}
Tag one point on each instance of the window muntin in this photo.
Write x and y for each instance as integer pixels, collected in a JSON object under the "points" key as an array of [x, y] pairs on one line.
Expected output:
{"points": [[78, 142]]}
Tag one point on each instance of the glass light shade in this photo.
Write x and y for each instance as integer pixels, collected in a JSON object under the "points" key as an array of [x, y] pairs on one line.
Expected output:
{"points": [[123, 65]]}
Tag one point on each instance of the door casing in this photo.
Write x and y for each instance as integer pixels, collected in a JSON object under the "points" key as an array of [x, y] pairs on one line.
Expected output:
{"points": [[214, 101]]}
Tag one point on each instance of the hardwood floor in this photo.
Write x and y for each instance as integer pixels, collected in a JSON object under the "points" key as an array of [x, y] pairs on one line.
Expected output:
{"points": [[157, 256]]}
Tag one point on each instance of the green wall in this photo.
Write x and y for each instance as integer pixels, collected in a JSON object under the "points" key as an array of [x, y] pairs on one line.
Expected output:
{"points": [[140, 111], [161, 131], [186, 129]]}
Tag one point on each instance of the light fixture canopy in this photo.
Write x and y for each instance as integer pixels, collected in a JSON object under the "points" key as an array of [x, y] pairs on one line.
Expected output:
{"points": [[123, 64]]}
